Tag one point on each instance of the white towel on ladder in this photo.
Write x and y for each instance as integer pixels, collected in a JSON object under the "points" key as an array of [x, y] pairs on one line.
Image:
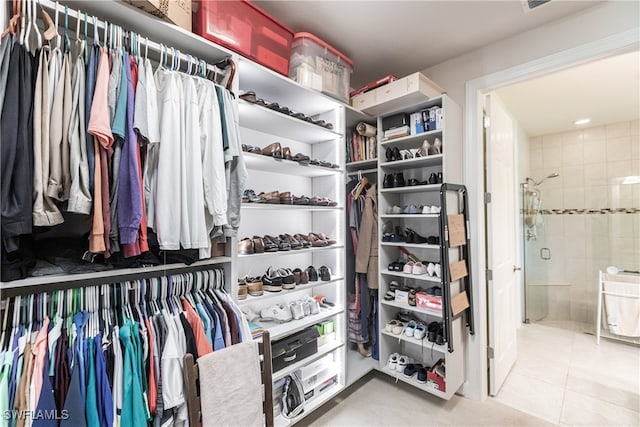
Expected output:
{"points": [[231, 387], [622, 312]]}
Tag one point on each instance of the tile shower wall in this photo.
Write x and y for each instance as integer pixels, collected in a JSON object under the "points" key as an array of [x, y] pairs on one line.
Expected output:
{"points": [[592, 164]]}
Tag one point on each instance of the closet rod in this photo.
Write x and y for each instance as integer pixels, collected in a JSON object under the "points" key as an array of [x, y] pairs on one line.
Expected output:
{"points": [[34, 285], [152, 45]]}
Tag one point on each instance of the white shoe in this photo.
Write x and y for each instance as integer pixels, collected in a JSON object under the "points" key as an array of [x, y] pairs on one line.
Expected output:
{"points": [[393, 361], [403, 361], [437, 270], [250, 314], [435, 209], [297, 310], [278, 313], [431, 269], [418, 268]]}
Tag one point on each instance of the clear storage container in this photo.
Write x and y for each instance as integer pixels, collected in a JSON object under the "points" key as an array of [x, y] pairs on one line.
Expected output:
{"points": [[318, 65]]}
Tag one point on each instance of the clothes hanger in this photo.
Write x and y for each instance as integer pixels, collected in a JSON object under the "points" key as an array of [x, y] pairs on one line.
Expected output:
{"points": [[67, 41], [14, 21], [86, 43], [25, 28], [51, 29]]}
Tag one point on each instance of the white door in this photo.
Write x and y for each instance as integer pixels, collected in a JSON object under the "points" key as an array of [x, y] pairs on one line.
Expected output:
{"points": [[501, 243]]}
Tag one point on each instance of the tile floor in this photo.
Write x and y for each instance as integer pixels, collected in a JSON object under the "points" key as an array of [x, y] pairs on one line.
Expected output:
{"points": [[376, 400], [561, 377], [564, 377]]}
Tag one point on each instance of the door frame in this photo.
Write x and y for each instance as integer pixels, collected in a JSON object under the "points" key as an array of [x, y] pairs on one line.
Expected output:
{"points": [[476, 386]]}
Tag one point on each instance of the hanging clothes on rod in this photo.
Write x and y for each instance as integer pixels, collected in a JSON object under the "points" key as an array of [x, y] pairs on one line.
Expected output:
{"points": [[112, 354], [362, 284], [149, 158]]}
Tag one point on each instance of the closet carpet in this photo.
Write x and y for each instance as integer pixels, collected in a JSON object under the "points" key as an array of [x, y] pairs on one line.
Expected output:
{"points": [[376, 400]]}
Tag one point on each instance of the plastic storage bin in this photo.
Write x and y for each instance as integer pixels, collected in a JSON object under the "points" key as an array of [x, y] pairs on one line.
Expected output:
{"points": [[320, 66], [244, 28]]}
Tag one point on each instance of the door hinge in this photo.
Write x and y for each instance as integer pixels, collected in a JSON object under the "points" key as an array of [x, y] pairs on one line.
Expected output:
{"points": [[487, 122], [487, 198], [490, 353], [489, 274]]}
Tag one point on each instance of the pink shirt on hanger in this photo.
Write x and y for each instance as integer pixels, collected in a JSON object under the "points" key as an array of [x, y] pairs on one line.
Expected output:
{"points": [[100, 128]]}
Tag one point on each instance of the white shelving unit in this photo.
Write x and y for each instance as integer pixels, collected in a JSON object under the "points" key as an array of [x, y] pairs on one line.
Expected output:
{"points": [[421, 168], [261, 126]]}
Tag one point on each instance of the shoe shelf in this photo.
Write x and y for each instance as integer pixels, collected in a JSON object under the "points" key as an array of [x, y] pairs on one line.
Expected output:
{"points": [[411, 140], [411, 245], [269, 295], [433, 160], [322, 350], [311, 405], [263, 119], [362, 164], [289, 167], [424, 277], [411, 189], [414, 382], [274, 206], [280, 330], [274, 87], [292, 251], [434, 313], [409, 216], [424, 343], [108, 276]]}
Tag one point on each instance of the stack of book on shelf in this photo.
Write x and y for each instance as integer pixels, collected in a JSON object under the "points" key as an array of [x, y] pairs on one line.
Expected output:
{"points": [[361, 148], [397, 132]]}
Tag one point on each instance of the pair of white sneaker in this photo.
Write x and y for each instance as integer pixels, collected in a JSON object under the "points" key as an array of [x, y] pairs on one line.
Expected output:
{"points": [[431, 209], [397, 362], [285, 313]]}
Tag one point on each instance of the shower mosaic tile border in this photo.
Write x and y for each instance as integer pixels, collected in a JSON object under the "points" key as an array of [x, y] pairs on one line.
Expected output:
{"points": [[603, 211]]}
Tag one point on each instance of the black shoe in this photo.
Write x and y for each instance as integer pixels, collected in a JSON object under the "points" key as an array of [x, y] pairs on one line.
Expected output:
{"points": [[433, 178], [313, 274], [396, 154], [439, 177], [413, 237], [325, 274], [388, 181], [389, 154], [398, 180]]}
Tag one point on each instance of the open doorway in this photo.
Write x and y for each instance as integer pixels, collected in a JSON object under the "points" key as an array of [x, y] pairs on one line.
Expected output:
{"points": [[576, 211]]}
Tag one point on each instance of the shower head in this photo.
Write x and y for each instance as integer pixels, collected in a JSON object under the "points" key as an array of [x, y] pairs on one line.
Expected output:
{"points": [[536, 183]]}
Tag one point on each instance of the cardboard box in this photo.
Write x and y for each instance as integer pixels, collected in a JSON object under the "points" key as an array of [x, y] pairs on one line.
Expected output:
{"points": [[435, 380], [428, 301], [402, 297], [175, 11], [325, 327]]}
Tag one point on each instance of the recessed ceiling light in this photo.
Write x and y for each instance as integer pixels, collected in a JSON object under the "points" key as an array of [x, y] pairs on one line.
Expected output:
{"points": [[582, 121], [631, 180]]}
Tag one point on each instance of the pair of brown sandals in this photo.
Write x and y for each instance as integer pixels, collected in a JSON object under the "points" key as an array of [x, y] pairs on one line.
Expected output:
{"points": [[252, 98]]}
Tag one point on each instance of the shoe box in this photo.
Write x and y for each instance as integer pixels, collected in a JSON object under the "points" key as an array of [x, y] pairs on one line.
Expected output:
{"points": [[435, 376], [314, 376], [294, 348], [428, 301]]}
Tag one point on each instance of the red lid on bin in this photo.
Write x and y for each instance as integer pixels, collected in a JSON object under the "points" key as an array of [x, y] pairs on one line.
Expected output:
{"points": [[324, 44]]}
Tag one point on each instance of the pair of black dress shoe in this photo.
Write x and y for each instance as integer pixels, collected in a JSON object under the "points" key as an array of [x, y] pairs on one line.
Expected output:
{"points": [[393, 180]]}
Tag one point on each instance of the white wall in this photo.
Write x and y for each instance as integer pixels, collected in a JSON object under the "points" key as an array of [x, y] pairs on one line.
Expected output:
{"points": [[572, 34], [589, 25]]}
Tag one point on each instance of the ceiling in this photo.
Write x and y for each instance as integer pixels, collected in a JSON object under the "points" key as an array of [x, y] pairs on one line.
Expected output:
{"points": [[606, 91], [402, 37]]}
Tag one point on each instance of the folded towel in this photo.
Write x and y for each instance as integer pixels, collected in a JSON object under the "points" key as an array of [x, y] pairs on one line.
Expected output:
{"points": [[623, 312], [230, 386]]}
